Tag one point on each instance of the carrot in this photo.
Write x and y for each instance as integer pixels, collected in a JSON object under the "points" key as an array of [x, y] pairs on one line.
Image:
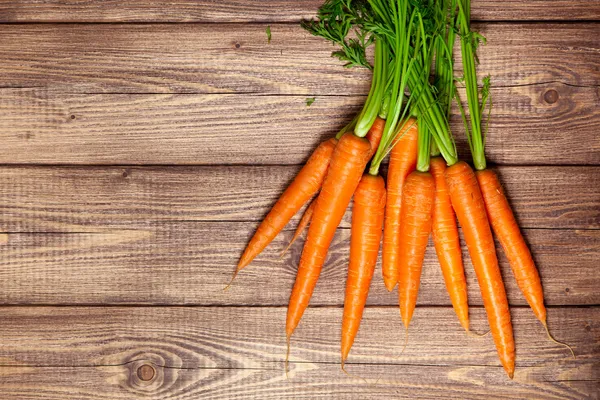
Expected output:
{"points": [[447, 244], [403, 159], [305, 185], [374, 137], [519, 257], [304, 221], [468, 203], [367, 223], [345, 170], [418, 197], [375, 133]]}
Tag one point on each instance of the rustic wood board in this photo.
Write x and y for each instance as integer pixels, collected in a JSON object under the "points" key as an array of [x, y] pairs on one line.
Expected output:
{"points": [[238, 353], [141, 143], [50, 127], [191, 262], [221, 58], [96, 199], [249, 11]]}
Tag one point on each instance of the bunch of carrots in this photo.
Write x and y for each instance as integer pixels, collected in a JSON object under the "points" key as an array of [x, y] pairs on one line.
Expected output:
{"points": [[406, 116]]}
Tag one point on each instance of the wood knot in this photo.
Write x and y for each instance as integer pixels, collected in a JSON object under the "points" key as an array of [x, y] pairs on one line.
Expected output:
{"points": [[146, 372], [551, 96]]}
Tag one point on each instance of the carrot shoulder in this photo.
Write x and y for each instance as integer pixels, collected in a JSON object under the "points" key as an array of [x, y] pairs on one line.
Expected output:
{"points": [[468, 203], [447, 244], [403, 159], [367, 223], [505, 226], [347, 164]]}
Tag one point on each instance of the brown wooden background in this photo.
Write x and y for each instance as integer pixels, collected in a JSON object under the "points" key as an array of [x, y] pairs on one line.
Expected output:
{"points": [[140, 144]]}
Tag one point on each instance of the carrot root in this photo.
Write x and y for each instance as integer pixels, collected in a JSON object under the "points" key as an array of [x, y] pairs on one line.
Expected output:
{"points": [[287, 357], [556, 341]]}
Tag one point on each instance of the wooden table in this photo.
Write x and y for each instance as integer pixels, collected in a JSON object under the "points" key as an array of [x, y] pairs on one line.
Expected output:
{"points": [[140, 144]]}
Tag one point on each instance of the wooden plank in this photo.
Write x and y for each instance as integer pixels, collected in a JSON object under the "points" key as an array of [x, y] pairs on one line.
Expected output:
{"points": [[255, 11], [190, 263], [312, 381], [198, 58], [64, 353], [44, 126], [96, 199], [254, 337]]}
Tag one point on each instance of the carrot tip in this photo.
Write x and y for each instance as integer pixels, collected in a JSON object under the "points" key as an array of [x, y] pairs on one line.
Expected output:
{"points": [[405, 340], [287, 358], [231, 281], [477, 335], [389, 284], [511, 375], [556, 341], [352, 375]]}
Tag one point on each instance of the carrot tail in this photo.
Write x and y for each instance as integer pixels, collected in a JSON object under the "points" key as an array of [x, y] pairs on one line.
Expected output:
{"points": [[506, 229], [403, 159], [367, 223], [306, 184], [415, 225], [304, 221], [348, 162], [556, 341], [468, 203], [447, 244]]}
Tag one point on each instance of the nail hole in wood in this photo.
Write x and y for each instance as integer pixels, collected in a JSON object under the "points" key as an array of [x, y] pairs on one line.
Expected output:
{"points": [[551, 96], [72, 116], [237, 45], [567, 290], [146, 372]]}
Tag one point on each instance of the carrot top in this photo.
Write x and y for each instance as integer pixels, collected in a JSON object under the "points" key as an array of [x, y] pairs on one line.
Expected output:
{"points": [[477, 99]]}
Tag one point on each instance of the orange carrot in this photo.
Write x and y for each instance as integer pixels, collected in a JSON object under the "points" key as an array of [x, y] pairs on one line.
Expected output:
{"points": [[468, 203], [505, 226], [367, 223], [375, 133], [305, 185], [304, 221], [447, 244], [345, 170], [403, 159], [418, 196], [374, 137]]}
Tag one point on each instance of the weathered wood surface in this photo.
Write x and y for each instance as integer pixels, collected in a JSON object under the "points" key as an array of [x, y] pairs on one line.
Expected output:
{"points": [[530, 124], [98, 353], [221, 58], [185, 99], [254, 11], [309, 382], [96, 199], [191, 262]]}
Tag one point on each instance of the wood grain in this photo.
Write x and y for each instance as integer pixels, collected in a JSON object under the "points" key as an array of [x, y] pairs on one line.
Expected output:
{"points": [[97, 199], [311, 381], [255, 11], [45, 126], [95, 353], [190, 263], [221, 58]]}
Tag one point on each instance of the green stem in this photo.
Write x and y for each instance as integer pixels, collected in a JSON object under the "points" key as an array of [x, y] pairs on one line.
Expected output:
{"points": [[424, 145], [474, 134], [374, 100]]}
